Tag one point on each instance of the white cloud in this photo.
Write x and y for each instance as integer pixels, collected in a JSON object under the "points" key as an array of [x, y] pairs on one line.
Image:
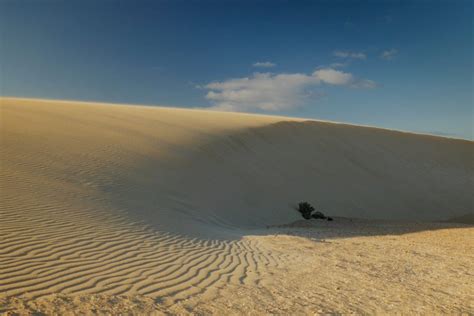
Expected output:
{"points": [[389, 54], [332, 76], [340, 78], [264, 64], [349, 54], [275, 92], [262, 91]]}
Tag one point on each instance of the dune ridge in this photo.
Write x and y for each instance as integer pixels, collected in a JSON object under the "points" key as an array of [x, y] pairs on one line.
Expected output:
{"points": [[166, 203]]}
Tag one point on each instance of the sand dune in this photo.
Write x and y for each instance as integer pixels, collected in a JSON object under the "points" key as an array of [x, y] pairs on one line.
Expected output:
{"points": [[172, 204]]}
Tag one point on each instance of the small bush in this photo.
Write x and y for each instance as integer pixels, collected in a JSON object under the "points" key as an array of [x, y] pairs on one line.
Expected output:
{"points": [[305, 209]]}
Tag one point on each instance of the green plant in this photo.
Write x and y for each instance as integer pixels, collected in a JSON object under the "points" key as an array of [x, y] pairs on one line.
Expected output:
{"points": [[305, 209]]}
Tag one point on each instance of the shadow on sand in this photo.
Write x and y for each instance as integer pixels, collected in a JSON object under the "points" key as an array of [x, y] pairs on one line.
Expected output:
{"points": [[236, 184], [343, 227]]}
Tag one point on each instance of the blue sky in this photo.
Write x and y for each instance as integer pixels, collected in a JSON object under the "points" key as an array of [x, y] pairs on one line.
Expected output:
{"points": [[397, 64]]}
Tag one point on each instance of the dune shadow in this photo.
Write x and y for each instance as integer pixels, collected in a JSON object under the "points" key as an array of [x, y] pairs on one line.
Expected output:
{"points": [[235, 184], [343, 227]]}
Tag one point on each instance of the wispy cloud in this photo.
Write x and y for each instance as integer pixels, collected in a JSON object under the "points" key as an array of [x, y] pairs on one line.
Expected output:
{"points": [[349, 54], [336, 77], [332, 76], [389, 54], [275, 92], [264, 64], [363, 84], [337, 65]]}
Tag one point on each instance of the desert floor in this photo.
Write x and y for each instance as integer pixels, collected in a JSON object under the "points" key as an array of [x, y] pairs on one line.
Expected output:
{"points": [[133, 209]]}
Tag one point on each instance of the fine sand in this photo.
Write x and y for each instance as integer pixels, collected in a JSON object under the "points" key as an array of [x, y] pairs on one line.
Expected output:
{"points": [[112, 208]]}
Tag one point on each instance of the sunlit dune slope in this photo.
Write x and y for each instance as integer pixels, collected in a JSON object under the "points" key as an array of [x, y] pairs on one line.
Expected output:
{"points": [[191, 171]]}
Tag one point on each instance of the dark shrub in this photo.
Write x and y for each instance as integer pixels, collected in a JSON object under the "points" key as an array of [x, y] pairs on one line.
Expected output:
{"points": [[305, 209], [318, 215]]}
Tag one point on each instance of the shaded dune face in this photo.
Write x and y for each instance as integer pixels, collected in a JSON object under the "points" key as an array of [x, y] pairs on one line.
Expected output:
{"points": [[255, 177], [155, 201]]}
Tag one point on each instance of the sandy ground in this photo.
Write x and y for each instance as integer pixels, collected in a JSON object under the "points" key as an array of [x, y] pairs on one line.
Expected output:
{"points": [[108, 209], [364, 268]]}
